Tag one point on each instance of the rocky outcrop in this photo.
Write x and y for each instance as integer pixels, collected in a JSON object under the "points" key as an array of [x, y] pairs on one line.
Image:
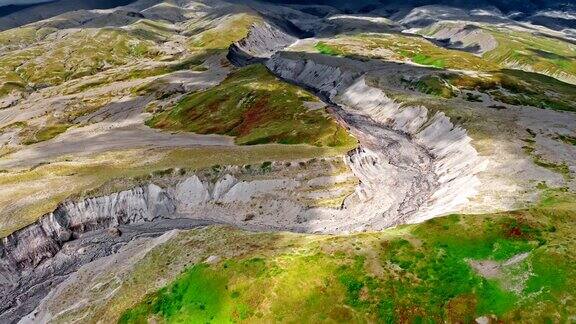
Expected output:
{"points": [[20, 293]]}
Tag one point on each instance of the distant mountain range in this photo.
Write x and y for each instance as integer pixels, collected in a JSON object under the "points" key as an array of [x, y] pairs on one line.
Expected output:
{"points": [[556, 14], [12, 16], [510, 6]]}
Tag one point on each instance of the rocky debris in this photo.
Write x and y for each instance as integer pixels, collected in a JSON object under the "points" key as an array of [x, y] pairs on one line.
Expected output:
{"points": [[88, 278], [10, 100], [26, 249], [493, 269], [21, 292], [245, 191], [486, 268], [115, 231], [213, 259], [483, 320], [516, 259]]}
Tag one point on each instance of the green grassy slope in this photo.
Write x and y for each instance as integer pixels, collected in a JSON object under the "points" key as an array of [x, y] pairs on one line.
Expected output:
{"points": [[538, 53], [525, 50], [30, 60], [523, 69], [257, 108], [224, 34], [418, 273], [403, 48], [23, 36], [513, 87], [45, 133], [80, 54]]}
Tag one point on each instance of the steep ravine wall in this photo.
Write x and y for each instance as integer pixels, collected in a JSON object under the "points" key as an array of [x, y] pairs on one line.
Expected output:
{"points": [[28, 247], [191, 198], [43, 253], [413, 165], [38, 256]]}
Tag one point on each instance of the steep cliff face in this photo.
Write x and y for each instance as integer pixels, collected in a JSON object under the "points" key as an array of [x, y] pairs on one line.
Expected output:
{"points": [[43, 254], [25, 249], [226, 200], [40, 255], [413, 165]]}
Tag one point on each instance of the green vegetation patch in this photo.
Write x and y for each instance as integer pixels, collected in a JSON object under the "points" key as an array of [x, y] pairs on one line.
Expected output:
{"points": [[194, 62], [553, 60], [567, 139], [20, 37], [432, 84], [404, 48], [80, 54], [45, 133], [225, 34], [14, 125], [327, 49], [256, 108], [542, 54], [532, 89], [428, 60], [513, 87], [524, 50], [410, 274], [90, 54]]}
